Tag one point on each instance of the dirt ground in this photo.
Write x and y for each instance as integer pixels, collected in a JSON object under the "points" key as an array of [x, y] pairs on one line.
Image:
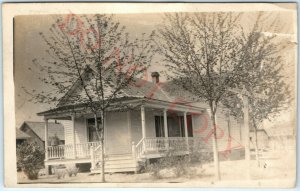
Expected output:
{"points": [[270, 170]]}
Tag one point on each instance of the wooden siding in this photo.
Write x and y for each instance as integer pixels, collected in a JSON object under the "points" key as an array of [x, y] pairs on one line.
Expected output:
{"points": [[201, 129], [150, 122], [136, 126], [228, 137], [122, 128], [80, 130], [68, 131], [116, 133]]}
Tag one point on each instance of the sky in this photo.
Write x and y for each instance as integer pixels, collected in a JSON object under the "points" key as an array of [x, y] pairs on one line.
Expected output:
{"points": [[28, 45]]}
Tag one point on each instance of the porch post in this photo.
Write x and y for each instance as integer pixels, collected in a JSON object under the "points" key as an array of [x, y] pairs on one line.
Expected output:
{"points": [[46, 146], [165, 123], [186, 130], [166, 129], [46, 139], [143, 124], [73, 135]]}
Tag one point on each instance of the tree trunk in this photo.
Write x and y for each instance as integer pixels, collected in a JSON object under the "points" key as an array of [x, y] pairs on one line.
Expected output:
{"points": [[102, 147], [215, 146], [101, 138]]}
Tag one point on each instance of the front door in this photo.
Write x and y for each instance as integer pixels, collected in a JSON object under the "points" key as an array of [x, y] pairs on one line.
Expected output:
{"points": [[93, 136]]}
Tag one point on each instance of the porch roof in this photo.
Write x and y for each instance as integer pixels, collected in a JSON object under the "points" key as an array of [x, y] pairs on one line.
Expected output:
{"points": [[65, 112]]}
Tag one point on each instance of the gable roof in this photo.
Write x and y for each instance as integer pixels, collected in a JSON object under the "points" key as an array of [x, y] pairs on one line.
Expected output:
{"points": [[21, 135], [39, 129], [138, 91], [139, 88]]}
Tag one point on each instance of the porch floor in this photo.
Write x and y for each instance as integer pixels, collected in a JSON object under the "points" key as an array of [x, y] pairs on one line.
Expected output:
{"points": [[59, 161]]}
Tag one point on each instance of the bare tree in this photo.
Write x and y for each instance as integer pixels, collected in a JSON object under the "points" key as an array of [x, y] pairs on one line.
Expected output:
{"points": [[97, 53], [203, 55], [207, 53], [262, 74]]}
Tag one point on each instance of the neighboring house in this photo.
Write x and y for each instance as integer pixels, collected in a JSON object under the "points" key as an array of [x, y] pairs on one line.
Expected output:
{"points": [[262, 139], [36, 130], [21, 137], [154, 122], [282, 137]]}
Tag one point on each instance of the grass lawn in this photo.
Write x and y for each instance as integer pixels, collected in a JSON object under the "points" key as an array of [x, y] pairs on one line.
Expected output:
{"points": [[232, 172]]}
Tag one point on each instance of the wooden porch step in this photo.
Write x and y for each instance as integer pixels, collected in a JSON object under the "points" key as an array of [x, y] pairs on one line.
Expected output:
{"points": [[120, 154], [119, 157], [109, 170], [118, 163], [116, 158]]}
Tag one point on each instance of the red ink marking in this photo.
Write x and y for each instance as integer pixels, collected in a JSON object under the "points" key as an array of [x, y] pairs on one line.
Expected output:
{"points": [[68, 22], [84, 34], [229, 147], [73, 26]]}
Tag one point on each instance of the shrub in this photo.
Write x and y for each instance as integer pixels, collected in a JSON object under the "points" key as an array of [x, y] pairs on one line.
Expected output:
{"points": [[30, 158], [177, 165], [200, 153], [201, 157], [72, 170], [60, 173]]}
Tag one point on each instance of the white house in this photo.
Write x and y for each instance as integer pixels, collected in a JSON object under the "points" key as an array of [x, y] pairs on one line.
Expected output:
{"points": [[155, 122]]}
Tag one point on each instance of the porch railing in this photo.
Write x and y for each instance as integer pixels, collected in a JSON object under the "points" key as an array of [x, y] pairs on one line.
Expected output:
{"points": [[96, 155], [160, 145], [138, 149], [82, 150], [163, 144]]}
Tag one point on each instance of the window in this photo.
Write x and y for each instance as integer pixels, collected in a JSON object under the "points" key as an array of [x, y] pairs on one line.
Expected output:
{"points": [[92, 132], [159, 126], [176, 127]]}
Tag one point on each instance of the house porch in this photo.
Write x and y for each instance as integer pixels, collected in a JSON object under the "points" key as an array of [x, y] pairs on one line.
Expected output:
{"points": [[149, 130]]}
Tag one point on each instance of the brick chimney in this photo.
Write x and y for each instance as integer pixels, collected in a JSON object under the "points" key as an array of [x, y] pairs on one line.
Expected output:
{"points": [[155, 77]]}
